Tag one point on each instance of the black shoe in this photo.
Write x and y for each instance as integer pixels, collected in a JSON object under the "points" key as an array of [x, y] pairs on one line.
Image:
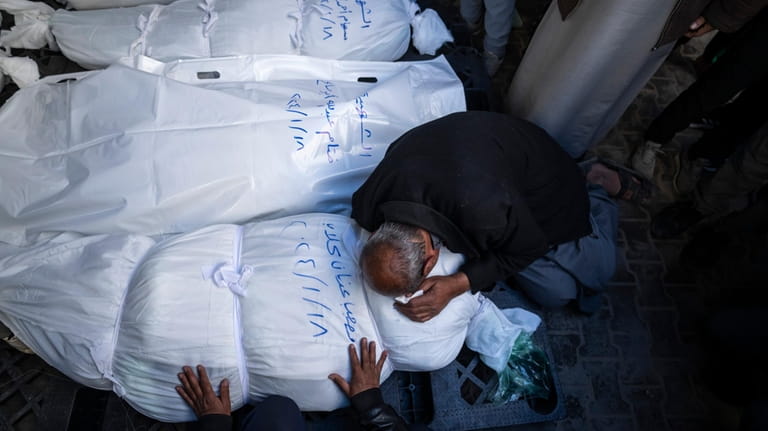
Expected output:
{"points": [[674, 220]]}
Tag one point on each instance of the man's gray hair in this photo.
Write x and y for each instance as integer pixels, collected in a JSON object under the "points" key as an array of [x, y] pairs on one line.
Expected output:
{"points": [[406, 249]]}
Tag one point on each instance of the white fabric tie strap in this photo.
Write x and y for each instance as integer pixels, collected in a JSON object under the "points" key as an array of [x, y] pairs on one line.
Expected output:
{"points": [[144, 24], [234, 277], [210, 17], [230, 277]]}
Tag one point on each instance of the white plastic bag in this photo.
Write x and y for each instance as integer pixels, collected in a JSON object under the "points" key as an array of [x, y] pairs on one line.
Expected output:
{"points": [[122, 150], [429, 32], [492, 332]]}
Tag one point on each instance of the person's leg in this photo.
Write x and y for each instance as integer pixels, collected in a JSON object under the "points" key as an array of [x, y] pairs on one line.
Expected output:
{"points": [[471, 11], [565, 273], [738, 121], [545, 282], [274, 413], [745, 172], [743, 65], [498, 24]]}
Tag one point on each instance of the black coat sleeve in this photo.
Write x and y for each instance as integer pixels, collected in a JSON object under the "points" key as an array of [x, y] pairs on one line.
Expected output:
{"points": [[375, 414], [730, 15]]}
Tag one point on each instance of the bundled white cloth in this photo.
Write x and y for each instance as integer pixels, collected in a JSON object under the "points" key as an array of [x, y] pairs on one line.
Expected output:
{"points": [[22, 70], [271, 306], [339, 29], [123, 150]]}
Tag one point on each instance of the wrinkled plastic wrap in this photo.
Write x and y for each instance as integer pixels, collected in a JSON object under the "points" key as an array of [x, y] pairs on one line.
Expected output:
{"points": [[271, 306], [206, 141], [527, 374]]}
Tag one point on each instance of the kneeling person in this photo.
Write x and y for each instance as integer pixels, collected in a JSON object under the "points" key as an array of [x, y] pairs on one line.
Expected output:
{"points": [[501, 192]]}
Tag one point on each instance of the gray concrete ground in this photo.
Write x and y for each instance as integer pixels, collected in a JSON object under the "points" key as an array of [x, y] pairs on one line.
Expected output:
{"points": [[634, 365]]}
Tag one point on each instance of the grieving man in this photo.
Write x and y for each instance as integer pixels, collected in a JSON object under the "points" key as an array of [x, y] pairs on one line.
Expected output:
{"points": [[500, 191]]}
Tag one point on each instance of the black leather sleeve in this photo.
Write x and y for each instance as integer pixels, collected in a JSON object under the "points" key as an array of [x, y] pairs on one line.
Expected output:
{"points": [[375, 414]]}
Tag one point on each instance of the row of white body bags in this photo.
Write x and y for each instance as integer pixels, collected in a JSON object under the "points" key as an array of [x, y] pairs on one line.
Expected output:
{"points": [[124, 150], [271, 306], [343, 29]]}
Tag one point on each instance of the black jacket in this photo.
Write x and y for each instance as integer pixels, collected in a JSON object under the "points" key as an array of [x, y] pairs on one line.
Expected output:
{"points": [[495, 188], [374, 415]]}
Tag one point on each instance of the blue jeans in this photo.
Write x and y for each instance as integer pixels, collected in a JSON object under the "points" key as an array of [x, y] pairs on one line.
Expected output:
{"points": [[580, 269], [498, 21]]}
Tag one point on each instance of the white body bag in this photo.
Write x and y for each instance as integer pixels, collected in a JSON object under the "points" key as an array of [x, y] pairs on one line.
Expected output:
{"points": [[126, 150], [271, 306]]}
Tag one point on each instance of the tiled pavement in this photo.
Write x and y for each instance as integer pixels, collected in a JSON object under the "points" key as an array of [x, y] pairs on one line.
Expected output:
{"points": [[634, 365]]}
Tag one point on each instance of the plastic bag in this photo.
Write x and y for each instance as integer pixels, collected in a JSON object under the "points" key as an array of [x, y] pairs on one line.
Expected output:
{"points": [[527, 373], [429, 32]]}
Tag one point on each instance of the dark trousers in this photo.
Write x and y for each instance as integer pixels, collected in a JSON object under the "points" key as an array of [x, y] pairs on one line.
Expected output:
{"points": [[275, 413], [743, 65], [738, 121]]}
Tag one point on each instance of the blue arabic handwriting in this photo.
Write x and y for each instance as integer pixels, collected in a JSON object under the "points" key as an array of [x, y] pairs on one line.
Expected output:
{"points": [[313, 279], [294, 107], [339, 16], [340, 283], [350, 321], [328, 91], [365, 133], [363, 12], [322, 328]]}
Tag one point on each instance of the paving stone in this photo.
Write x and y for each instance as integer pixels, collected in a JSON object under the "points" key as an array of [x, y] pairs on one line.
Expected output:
{"points": [[625, 318], [612, 424], [639, 245], [575, 415], [693, 424], [622, 274], [651, 292], [663, 328], [637, 366], [569, 370], [565, 349], [605, 389], [562, 320], [597, 336], [647, 403], [670, 251], [574, 379], [691, 307]]}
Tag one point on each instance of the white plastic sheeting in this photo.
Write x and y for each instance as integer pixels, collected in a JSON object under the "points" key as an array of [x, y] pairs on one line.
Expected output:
{"points": [[124, 150], [270, 305], [339, 29]]}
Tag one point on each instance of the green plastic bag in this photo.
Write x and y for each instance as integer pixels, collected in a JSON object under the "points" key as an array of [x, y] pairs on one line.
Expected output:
{"points": [[527, 373]]}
